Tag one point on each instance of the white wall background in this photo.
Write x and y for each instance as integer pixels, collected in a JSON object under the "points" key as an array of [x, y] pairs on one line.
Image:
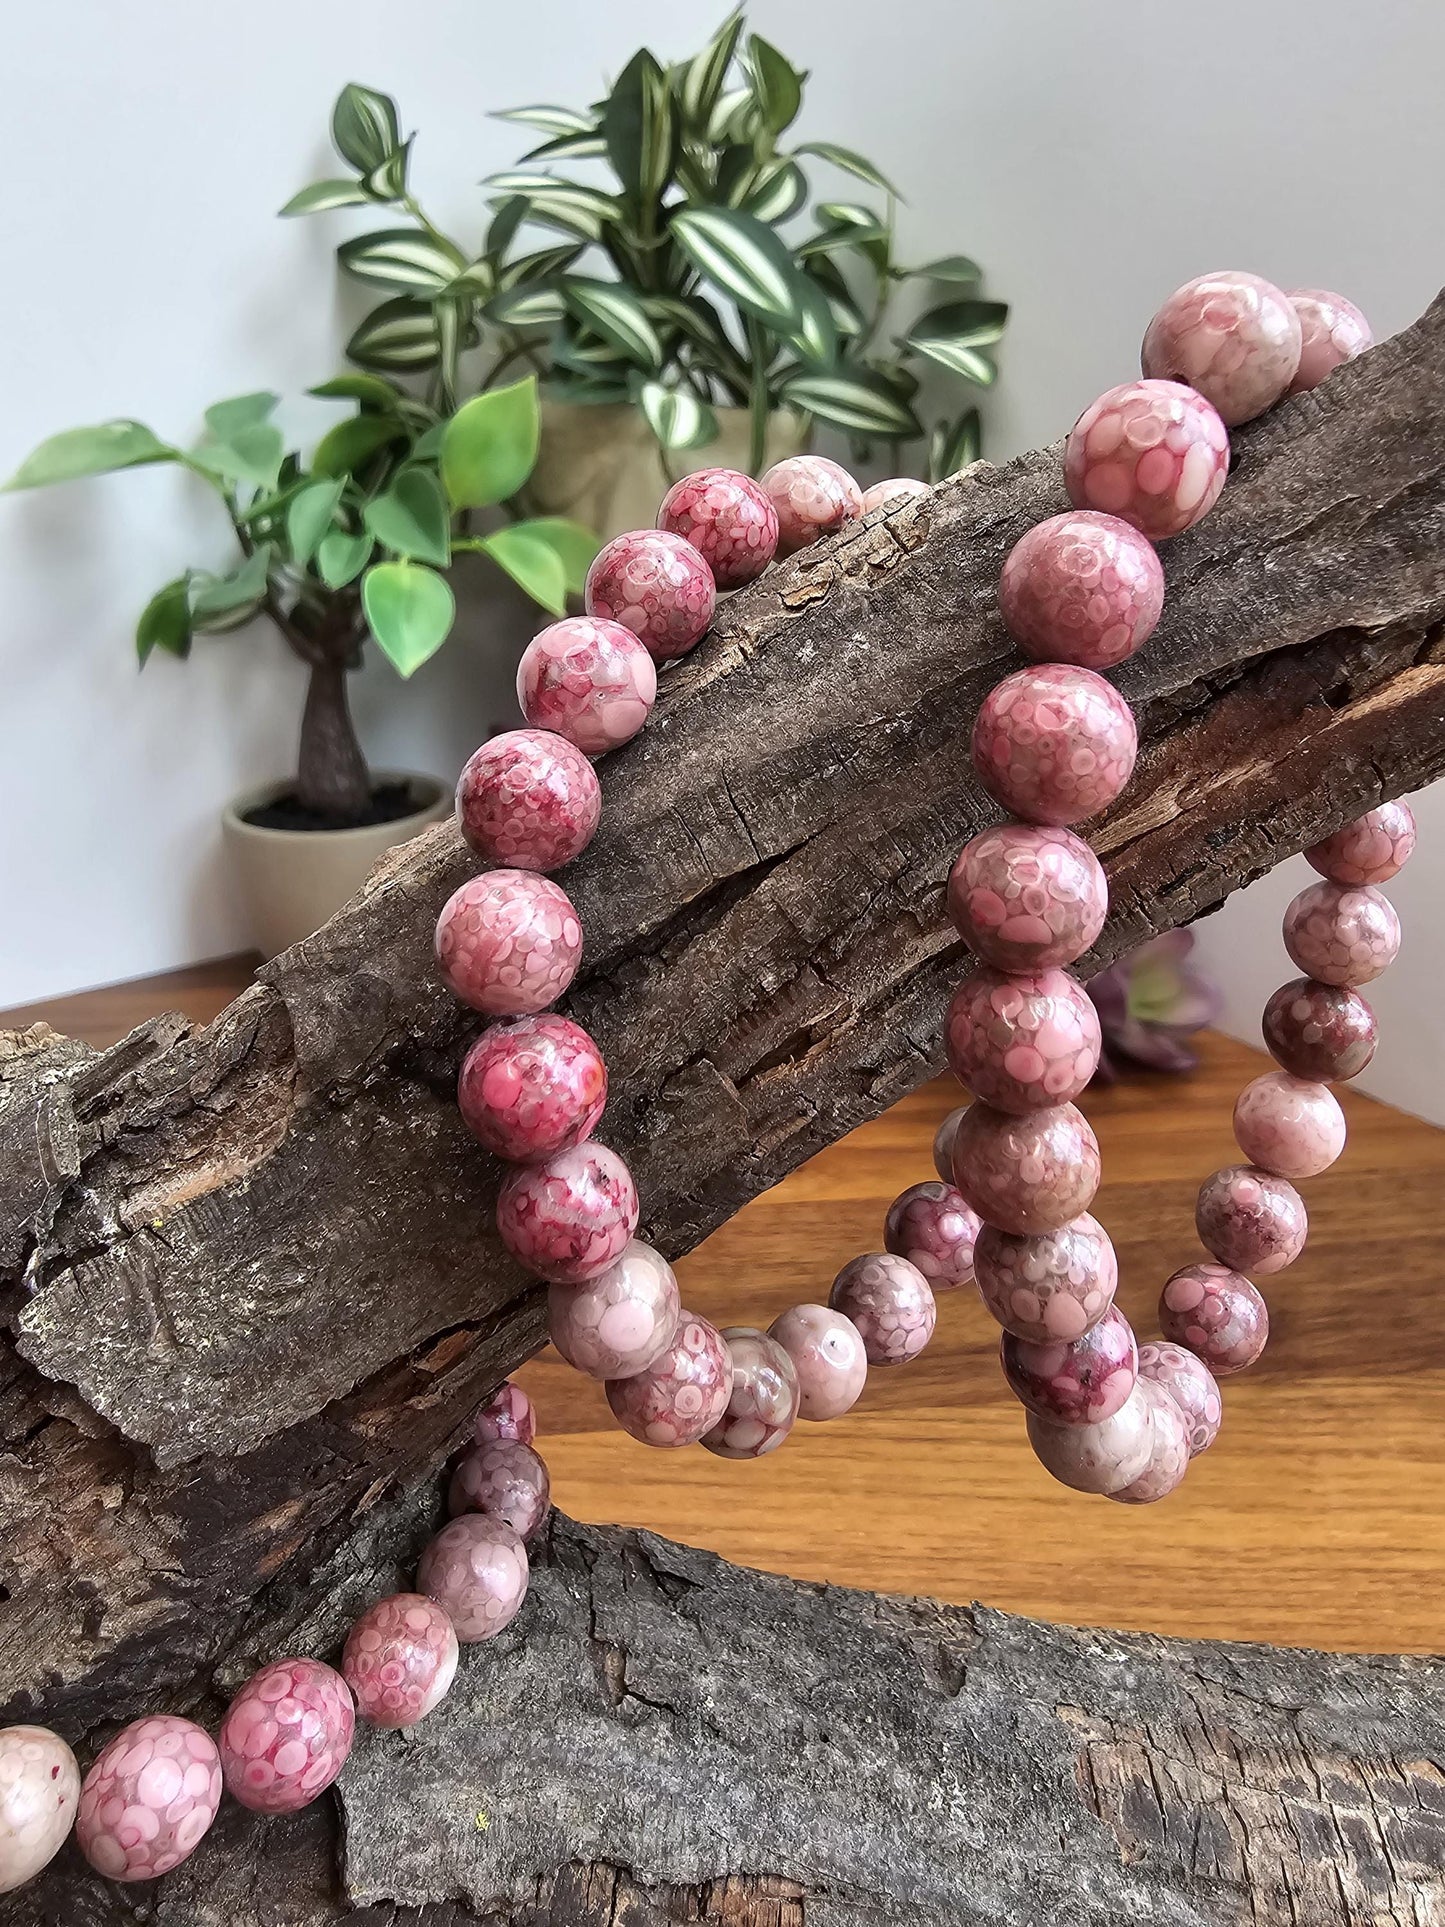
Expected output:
{"points": [[1091, 156]]}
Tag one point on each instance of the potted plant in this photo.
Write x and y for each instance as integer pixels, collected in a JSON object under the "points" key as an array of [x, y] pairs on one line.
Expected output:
{"points": [[351, 542]]}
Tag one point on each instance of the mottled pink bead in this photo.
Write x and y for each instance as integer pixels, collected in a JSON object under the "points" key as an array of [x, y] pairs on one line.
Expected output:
{"points": [[1054, 744], [763, 1402], [621, 1322], [932, 1227], [1332, 330], [1026, 1174], [507, 1414], [1251, 1220], [1342, 933], [400, 1659], [150, 1798], [508, 1481], [1082, 588], [1078, 1381], [476, 1571], [570, 1217], [1322, 1032], [590, 681], [1217, 1314], [1169, 1452], [1372, 849], [828, 1355], [286, 1735], [897, 488], [532, 1087], [1047, 1287], [1234, 337], [813, 497], [508, 943], [1022, 1042], [682, 1394], [727, 518], [943, 1144], [1097, 1458], [1191, 1385], [1026, 898], [528, 800], [890, 1302], [39, 1794], [1289, 1126], [1151, 452], [656, 585]]}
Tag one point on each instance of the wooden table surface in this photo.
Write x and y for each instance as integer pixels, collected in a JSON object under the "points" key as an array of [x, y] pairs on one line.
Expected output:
{"points": [[1318, 1518]]}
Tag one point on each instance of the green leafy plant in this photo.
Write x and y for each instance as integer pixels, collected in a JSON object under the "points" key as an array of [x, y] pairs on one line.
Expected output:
{"points": [[353, 541]]}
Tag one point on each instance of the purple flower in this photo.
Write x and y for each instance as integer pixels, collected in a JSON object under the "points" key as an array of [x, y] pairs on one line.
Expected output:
{"points": [[1150, 1003]]}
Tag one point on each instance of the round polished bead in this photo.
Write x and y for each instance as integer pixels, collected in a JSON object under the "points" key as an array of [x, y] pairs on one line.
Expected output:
{"points": [[1191, 1385], [508, 943], [682, 1394], [476, 1571], [1233, 337], [763, 1402], [1151, 452], [1047, 1287], [590, 681], [813, 497], [528, 800], [508, 1481], [1169, 1452], [828, 1355], [400, 1659], [571, 1216], [1289, 1126], [286, 1735], [727, 518], [1217, 1314], [1332, 330], [620, 1322], [1097, 1458], [1026, 1174], [507, 1414], [1083, 588], [1251, 1220], [150, 1798], [890, 1302], [1022, 1043], [1054, 744], [1322, 1032], [1079, 1381], [1372, 849], [1341, 933], [897, 488], [533, 1087], [1027, 898], [39, 1793], [943, 1144], [932, 1227], [656, 585]]}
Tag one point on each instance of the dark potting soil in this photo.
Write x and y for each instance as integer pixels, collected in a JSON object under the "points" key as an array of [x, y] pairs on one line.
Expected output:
{"points": [[389, 802]]}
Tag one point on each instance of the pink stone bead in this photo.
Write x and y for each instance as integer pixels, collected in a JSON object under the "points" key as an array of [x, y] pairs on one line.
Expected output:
{"points": [[1022, 1043], [828, 1355], [532, 1087], [1217, 1314], [1026, 1174], [932, 1227], [1025, 898], [571, 1216], [508, 1481], [890, 1302], [763, 1402], [528, 800], [682, 1394], [286, 1735], [1289, 1126], [1234, 337], [1191, 1385], [1047, 1287], [39, 1794], [621, 1322], [1054, 744], [507, 1414], [1332, 330], [1097, 1458], [727, 518], [508, 943], [1151, 452], [1079, 1381], [1250, 1220], [476, 1571], [813, 498], [1341, 933], [592, 682], [1082, 588], [150, 1798], [897, 488], [1372, 849], [943, 1144], [1322, 1032], [1169, 1453], [656, 585], [400, 1659]]}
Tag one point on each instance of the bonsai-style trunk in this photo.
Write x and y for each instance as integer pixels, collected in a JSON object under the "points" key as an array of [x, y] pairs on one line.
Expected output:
{"points": [[331, 773]]}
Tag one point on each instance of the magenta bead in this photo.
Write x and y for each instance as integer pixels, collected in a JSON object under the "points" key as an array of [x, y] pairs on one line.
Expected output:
{"points": [[528, 800], [1151, 452], [1100, 1458], [150, 1797], [656, 585], [508, 943], [476, 1571], [932, 1227], [622, 1321], [897, 488], [1169, 1452], [1251, 1220], [1191, 1385], [812, 497], [590, 681], [1022, 1043], [1322, 1032], [1047, 1287], [1215, 1313], [286, 1735], [1332, 330], [943, 1139], [1026, 1174], [727, 518], [533, 1087], [1054, 744], [508, 1481], [1342, 933], [1289, 1126], [507, 1414], [1025, 898], [400, 1659], [569, 1217], [763, 1402], [1081, 588], [1079, 1381], [39, 1796], [1233, 337], [828, 1355], [1372, 849], [890, 1302], [682, 1394]]}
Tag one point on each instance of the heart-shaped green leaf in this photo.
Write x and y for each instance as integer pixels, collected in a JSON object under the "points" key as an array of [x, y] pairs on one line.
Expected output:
{"points": [[341, 557], [532, 561], [489, 447], [573, 546], [411, 518], [90, 451], [222, 602], [351, 444], [409, 610], [165, 622], [309, 515]]}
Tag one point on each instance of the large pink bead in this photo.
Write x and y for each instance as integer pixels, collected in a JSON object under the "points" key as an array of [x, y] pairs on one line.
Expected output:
{"points": [[286, 1735], [1332, 330], [656, 585], [1372, 849], [476, 1571], [1251, 1220], [1169, 1452], [1025, 898], [1097, 1458], [1233, 337], [1026, 1174], [533, 1087], [150, 1798], [39, 1794], [1191, 1385], [1215, 1313], [896, 488], [508, 1481], [1078, 1381], [590, 681], [932, 1227], [763, 1402], [1047, 1287], [508, 943], [727, 518], [890, 1302], [1322, 1032], [828, 1355], [1054, 744], [1289, 1126], [1342, 933], [400, 1659], [1151, 452], [570, 1217], [1022, 1043], [507, 1414], [943, 1145], [528, 800], [813, 497], [682, 1394], [1082, 588], [621, 1322]]}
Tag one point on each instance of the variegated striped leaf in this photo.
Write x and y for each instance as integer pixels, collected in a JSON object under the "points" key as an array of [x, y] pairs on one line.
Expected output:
{"points": [[851, 163], [322, 196], [855, 399], [402, 258], [551, 120], [399, 337], [617, 314], [677, 417], [744, 260], [703, 78], [364, 127], [971, 363], [778, 193], [638, 123]]}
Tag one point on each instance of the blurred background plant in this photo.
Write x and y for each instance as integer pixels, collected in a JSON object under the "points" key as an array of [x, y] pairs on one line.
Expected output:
{"points": [[1150, 1004]]}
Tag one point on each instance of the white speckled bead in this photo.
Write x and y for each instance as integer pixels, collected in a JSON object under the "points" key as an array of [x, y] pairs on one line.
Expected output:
{"points": [[932, 1227], [1372, 849], [889, 1301], [1234, 338], [476, 1571], [1097, 1458], [619, 1324], [1169, 1452], [943, 1144], [763, 1402], [1341, 933], [828, 1355], [1332, 330], [39, 1793], [1288, 1125]]}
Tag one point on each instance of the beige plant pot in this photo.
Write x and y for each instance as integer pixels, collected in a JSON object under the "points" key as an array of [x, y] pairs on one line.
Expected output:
{"points": [[293, 880]]}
